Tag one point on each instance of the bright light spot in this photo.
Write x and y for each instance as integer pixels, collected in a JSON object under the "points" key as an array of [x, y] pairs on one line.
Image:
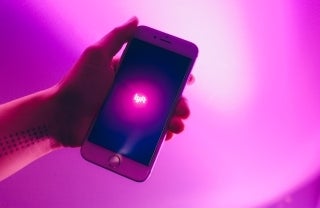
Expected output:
{"points": [[139, 99]]}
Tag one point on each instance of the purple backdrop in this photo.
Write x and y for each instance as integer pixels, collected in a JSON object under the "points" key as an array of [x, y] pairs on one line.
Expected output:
{"points": [[253, 139]]}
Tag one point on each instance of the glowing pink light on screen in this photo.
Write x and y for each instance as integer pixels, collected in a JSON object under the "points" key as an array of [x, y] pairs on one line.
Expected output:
{"points": [[133, 101], [139, 99]]}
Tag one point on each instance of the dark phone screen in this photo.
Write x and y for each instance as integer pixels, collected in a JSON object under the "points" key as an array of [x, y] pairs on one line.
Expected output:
{"points": [[135, 112]]}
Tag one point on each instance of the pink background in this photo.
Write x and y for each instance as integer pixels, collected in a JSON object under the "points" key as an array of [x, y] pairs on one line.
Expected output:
{"points": [[254, 134]]}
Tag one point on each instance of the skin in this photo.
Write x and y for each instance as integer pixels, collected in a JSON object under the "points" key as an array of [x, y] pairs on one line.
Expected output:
{"points": [[60, 116]]}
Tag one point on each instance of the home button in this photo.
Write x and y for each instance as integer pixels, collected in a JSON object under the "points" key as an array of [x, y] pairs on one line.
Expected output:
{"points": [[114, 161]]}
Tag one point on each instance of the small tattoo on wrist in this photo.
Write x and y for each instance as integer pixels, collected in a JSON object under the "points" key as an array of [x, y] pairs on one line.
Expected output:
{"points": [[20, 140]]}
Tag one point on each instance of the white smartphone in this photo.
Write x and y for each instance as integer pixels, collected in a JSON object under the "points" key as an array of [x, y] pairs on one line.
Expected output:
{"points": [[132, 123]]}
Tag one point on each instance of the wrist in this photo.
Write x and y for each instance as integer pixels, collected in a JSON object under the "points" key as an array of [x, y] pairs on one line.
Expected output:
{"points": [[49, 116], [68, 122], [28, 130]]}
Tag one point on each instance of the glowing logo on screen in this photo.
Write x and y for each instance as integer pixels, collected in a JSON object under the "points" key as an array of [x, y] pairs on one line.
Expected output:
{"points": [[139, 99]]}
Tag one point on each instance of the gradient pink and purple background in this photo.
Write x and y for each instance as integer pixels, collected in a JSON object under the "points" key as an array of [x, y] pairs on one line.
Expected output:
{"points": [[254, 134]]}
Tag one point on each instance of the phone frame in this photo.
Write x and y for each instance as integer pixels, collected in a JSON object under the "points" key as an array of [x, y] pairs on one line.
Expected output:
{"points": [[126, 166]]}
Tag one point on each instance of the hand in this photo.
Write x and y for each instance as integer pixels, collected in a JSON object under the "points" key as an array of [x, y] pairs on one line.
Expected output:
{"points": [[80, 94]]}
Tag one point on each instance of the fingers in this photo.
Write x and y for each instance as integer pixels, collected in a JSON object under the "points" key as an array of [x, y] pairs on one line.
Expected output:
{"points": [[182, 109], [191, 79], [169, 135], [176, 124]]}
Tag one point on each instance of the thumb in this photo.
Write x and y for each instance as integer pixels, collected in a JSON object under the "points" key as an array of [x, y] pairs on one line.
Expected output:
{"points": [[100, 54], [114, 40]]}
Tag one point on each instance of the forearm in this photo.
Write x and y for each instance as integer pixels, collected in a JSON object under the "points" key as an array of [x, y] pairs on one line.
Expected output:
{"points": [[27, 131]]}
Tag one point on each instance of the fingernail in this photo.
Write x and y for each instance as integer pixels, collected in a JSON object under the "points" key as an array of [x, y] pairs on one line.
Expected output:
{"points": [[132, 19], [191, 79], [129, 21]]}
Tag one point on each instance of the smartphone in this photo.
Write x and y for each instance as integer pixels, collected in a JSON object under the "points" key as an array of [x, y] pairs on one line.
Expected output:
{"points": [[132, 123]]}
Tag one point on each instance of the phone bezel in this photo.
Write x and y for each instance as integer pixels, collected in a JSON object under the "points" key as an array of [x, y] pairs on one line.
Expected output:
{"points": [[128, 167]]}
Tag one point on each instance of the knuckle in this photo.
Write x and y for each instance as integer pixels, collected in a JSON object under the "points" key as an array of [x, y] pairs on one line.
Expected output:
{"points": [[180, 129], [176, 125], [116, 34], [93, 51], [115, 30], [94, 55]]}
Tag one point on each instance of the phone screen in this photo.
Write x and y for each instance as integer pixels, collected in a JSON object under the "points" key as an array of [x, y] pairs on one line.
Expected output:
{"points": [[133, 117]]}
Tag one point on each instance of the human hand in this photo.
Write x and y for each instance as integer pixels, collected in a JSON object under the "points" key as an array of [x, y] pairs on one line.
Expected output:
{"points": [[80, 94]]}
